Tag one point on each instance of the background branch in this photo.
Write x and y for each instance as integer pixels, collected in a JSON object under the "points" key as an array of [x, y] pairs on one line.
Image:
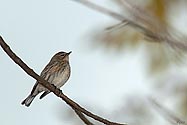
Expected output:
{"points": [[166, 113], [141, 23], [52, 88]]}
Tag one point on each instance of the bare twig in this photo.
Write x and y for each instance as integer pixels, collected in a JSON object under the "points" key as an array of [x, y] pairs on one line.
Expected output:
{"points": [[141, 23], [102, 9], [51, 87], [83, 118], [117, 26], [142, 16], [155, 29], [108, 12], [166, 113]]}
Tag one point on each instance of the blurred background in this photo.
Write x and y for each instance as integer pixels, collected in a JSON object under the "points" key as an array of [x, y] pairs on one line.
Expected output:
{"points": [[114, 72]]}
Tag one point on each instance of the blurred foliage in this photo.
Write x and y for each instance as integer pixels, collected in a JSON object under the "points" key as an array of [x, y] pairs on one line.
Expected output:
{"points": [[117, 40], [158, 8], [135, 110], [174, 87]]}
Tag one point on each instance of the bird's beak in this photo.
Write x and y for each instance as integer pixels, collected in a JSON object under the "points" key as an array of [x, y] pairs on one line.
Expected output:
{"points": [[69, 53]]}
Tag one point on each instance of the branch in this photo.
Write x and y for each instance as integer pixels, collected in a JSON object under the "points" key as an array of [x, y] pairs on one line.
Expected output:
{"points": [[166, 113], [102, 10], [78, 109], [141, 24], [83, 118], [108, 12]]}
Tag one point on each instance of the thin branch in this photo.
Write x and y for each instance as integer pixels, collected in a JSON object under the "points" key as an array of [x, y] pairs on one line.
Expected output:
{"points": [[155, 29], [51, 87], [111, 13], [108, 12], [117, 26], [102, 10], [166, 113], [83, 118], [165, 36]]}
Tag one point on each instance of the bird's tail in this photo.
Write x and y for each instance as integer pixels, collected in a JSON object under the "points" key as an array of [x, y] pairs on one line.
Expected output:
{"points": [[28, 100]]}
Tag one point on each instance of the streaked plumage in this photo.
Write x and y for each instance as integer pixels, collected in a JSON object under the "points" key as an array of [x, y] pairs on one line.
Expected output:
{"points": [[56, 72]]}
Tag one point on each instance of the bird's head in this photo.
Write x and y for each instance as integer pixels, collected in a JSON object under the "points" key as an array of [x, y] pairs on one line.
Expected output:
{"points": [[61, 56]]}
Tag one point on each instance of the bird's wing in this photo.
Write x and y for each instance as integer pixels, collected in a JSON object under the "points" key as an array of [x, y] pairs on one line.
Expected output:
{"points": [[47, 74], [55, 74], [51, 70]]}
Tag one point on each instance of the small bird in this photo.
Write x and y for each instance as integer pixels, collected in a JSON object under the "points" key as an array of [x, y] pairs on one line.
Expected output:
{"points": [[57, 72]]}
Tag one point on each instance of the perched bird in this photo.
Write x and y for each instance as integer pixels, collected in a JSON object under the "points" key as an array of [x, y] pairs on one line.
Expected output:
{"points": [[56, 72]]}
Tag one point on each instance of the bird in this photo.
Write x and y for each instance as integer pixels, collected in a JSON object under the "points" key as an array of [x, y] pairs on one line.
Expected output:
{"points": [[56, 72]]}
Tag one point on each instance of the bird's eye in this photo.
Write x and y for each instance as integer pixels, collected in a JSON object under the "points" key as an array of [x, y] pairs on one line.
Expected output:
{"points": [[63, 54]]}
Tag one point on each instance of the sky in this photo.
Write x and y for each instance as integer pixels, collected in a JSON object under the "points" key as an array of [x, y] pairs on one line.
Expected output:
{"points": [[35, 31]]}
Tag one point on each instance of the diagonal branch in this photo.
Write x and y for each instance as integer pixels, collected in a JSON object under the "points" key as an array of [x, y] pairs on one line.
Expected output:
{"points": [[108, 12], [102, 10], [166, 113], [78, 109], [30, 72], [165, 36], [113, 14], [83, 118]]}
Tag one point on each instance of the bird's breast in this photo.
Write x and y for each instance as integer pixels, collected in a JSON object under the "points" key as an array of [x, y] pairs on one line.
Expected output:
{"points": [[62, 77]]}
